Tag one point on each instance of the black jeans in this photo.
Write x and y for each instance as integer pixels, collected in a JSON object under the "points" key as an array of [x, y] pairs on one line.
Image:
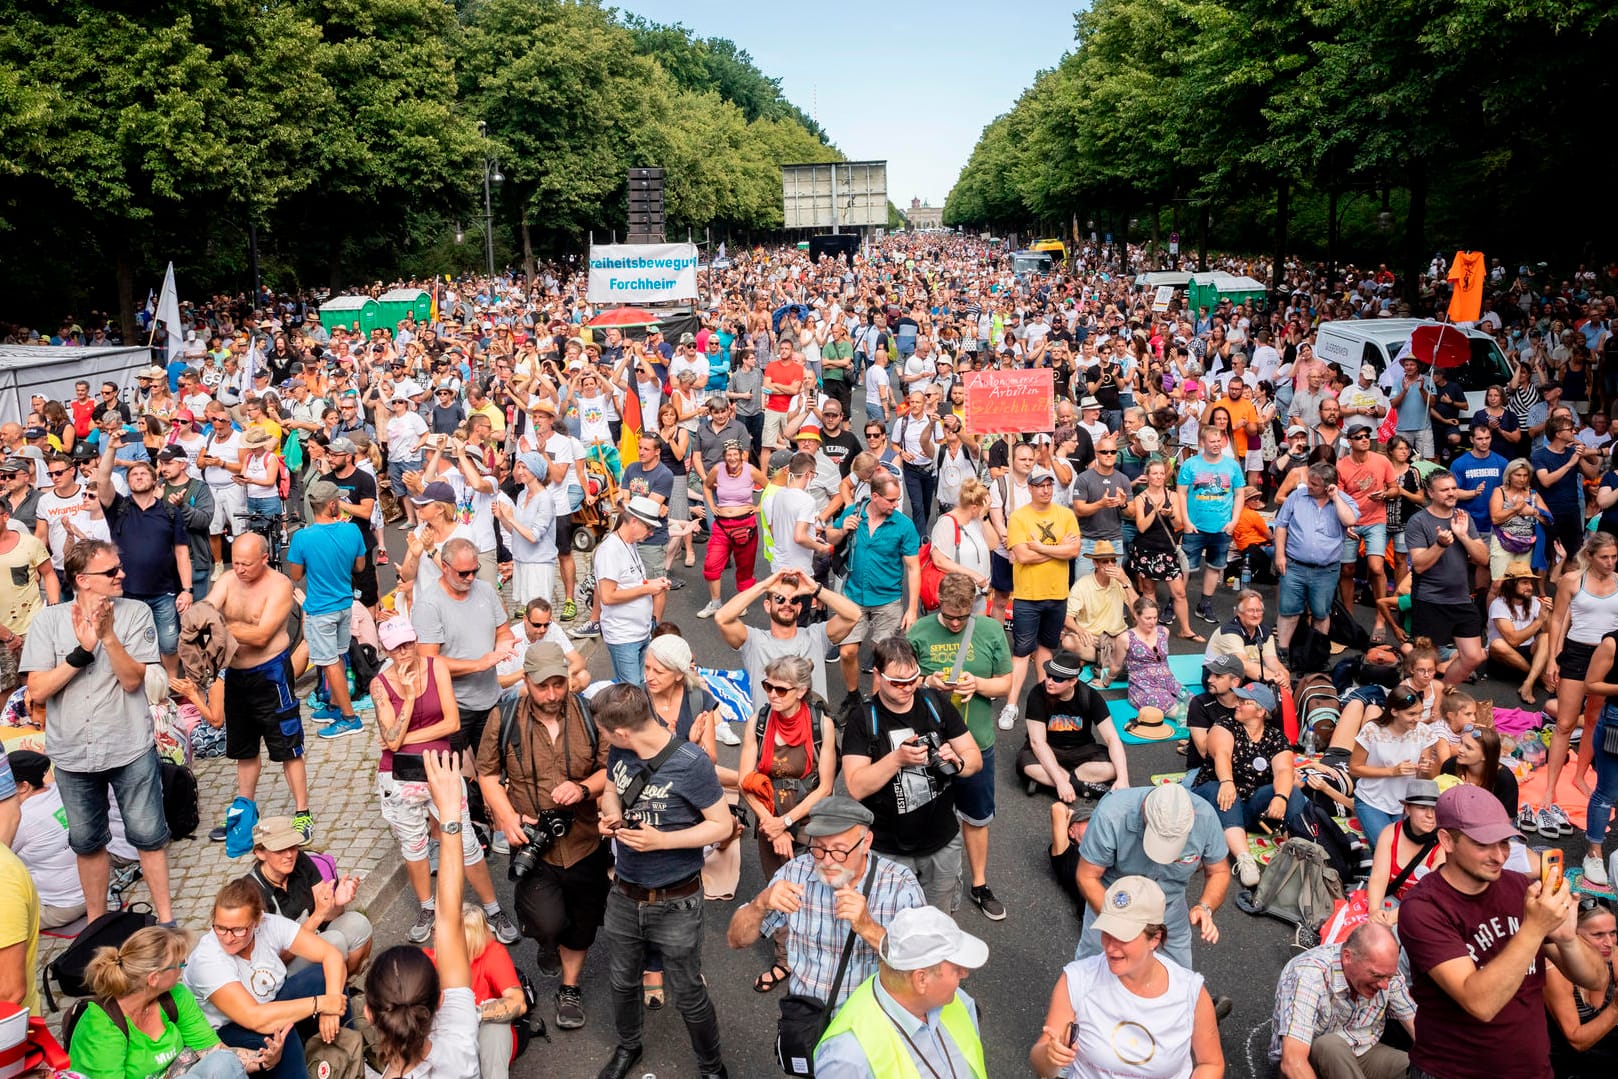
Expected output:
{"points": [[563, 908], [920, 486], [675, 926]]}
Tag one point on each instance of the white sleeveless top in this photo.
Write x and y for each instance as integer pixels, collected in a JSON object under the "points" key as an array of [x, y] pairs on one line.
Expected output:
{"points": [[256, 471], [1123, 1036]]}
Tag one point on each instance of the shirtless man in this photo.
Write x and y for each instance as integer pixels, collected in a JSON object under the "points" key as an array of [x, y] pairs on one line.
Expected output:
{"points": [[261, 703]]}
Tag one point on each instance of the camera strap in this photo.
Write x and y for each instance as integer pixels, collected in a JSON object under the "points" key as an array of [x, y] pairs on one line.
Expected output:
{"points": [[649, 768], [960, 650]]}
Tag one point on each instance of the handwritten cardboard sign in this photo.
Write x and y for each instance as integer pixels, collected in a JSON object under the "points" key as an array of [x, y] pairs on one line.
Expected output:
{"points": [[999, 402]]}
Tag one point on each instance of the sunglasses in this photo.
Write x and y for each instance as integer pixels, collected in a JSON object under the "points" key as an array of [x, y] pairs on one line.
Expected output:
{"points": [[901, 683], [789, 601], [59, 472], [540, 625], [115, 571], [462, 574], [1360, 434], [778, 689]]}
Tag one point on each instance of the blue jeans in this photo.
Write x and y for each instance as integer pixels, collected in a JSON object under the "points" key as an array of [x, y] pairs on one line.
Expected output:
{"points": [[1606, 789], [1307, 587], [269, 507], [1245, 813], [220, 1065], [675, 927], [167, 619], [1211, 548], [396, 471], [629, 661], [138, 786], [1373, 820], [308, 982]]}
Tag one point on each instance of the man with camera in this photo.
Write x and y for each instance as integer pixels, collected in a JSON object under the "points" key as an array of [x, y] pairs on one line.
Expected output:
{"points": [[541, 780], [663, 804], [902, 754]]}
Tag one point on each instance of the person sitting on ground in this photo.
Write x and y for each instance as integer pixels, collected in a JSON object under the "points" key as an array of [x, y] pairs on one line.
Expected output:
{"points": [[293, 887], [1477, 761], [141, 1023], [1249, 638], [1584, 1022], [1331, 1005], [41, 841], [1095, 625], [1068, 825], [1071, 745], [1517, 641], [1405, 852], [1110, 1001], [496, 990], [1391, 750], [1146, 657]]}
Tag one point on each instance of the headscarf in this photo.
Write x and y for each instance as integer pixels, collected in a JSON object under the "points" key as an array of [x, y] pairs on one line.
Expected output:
{"points": [[535, 463]]}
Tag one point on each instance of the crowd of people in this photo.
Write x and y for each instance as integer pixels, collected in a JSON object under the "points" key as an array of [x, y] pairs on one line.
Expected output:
{"points": [[198, 542]]}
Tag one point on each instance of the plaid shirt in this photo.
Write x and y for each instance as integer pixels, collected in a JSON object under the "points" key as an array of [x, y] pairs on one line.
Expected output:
{"points": [[1313, 998], [814, 935]]}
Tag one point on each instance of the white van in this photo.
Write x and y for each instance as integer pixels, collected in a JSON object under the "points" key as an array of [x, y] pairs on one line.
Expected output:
{"points": [[1351, 343]]}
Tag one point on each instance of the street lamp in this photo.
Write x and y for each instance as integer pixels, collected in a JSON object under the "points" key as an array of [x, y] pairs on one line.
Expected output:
{"points": [[491, 176]]}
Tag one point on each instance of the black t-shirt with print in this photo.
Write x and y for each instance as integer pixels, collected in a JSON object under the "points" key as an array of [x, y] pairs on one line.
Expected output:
{"points": [[915, 811], [1069, 724]]}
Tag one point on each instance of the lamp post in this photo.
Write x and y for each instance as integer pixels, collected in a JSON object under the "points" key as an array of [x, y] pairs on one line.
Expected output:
{"points": [[491, 176]]}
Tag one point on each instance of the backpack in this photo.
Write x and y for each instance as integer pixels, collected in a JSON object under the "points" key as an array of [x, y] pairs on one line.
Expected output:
{"points": [[1317, 701], [1299, 886], [508, 728], [180, 800], [71, 1017], [1343, 851], [1345, 629], [108, 931], [1311, 649], [239, 821]]}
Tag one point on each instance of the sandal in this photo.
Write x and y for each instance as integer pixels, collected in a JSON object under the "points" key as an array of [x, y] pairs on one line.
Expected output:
{"points": [[652, 995], [1197, 637], [771, 978]]}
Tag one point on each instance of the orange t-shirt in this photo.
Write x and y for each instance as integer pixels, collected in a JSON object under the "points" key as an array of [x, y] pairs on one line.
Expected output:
{"points": [[1241, 412], [1466, 274], [782, 373], [1251, 529], [1361, 481]]}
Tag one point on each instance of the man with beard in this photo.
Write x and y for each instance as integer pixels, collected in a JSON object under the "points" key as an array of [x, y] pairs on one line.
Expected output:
{"points": [[189, 496], [154, 545], [840, 886], [785, 596], [550, 762]]}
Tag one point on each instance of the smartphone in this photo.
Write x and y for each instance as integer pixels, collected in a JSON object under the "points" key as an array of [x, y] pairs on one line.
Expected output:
{"points": [[1550, 872], [1070, 1036]]}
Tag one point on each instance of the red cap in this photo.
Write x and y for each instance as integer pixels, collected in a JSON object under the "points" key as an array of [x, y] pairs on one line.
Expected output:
{"points": [[1477, 814]]}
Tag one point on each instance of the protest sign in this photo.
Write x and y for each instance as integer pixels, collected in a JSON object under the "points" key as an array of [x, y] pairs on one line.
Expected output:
{"points": [[998, 402], [642, 273], [1165, 295]]}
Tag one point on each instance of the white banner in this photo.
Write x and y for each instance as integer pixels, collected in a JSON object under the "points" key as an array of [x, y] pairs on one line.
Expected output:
{"points": [[642, 273]]}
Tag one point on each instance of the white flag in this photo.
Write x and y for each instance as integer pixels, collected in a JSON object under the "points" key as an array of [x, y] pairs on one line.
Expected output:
{"points": [[168, 309]]}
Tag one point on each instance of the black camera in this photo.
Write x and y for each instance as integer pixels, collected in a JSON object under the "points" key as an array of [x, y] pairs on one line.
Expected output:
{"points": [[552, 825], [939, 766]]}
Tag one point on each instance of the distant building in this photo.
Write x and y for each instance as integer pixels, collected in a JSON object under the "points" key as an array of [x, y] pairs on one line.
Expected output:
{"points": [[922, 216]]}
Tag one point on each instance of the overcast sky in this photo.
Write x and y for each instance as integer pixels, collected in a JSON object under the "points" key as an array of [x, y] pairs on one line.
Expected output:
{"points": [[909, 82]]}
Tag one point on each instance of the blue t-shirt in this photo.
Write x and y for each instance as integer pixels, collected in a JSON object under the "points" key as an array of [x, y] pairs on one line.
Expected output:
{"points": [[1210, 491], [672, 799], [1472, 471], [327, 552], [1565, 497]]}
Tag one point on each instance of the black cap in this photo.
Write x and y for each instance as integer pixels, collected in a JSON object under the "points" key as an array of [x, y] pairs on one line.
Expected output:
{"points": [[29, 766], [173, 452]]}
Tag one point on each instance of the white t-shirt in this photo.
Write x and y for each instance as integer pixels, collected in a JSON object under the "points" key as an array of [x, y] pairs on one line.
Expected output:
{"points": [[623, 623], [972, 551], [519, 632], [1124, 1036], [427, 571], [226, 449], [788, 506], [1498, 609], [209, 968], [559, 448], [41, 843], [404, 436], [56, 511], [876, 380], [454, 1041], [1008, 495], [474, 508]]}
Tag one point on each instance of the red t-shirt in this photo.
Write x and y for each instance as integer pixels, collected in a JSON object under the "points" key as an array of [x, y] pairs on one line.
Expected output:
{"points": [[782, 373], [1361, 481], [1437, 924], [492, 974]]}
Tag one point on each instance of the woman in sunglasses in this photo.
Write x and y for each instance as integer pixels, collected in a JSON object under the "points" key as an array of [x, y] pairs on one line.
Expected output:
{"points": [[1584, 1038], [785, 772], [1406, 853], [237, 973], [1392, 748]]}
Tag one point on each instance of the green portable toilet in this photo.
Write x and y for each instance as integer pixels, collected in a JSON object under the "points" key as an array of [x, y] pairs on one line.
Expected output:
{"points": [[399, 302], [345, 311]]}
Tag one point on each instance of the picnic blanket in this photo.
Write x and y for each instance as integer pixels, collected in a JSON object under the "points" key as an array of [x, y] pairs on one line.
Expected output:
{"points": [[1122, 712], [1186, 668]]}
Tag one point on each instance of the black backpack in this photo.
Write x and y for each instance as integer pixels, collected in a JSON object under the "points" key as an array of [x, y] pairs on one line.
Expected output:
{"points": [[108, 931], [180, 801], [71, 1017], [1341, 848]]}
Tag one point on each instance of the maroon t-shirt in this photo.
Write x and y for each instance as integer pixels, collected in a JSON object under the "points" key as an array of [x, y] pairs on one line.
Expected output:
{"points": [[1437, 924]]}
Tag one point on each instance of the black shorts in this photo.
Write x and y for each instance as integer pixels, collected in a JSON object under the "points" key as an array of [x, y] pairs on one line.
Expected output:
{"points": [[1574, 660], [1000, 573], [564, 533], [564, 907], [1067, 758], [1445, 623], [262, 705], [365, 580]]}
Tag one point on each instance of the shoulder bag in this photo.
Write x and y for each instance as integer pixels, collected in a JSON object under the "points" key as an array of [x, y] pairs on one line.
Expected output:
{"points": [[804, 1018]]}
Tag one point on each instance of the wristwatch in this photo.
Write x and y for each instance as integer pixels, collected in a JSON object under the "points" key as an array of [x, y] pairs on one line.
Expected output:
{"points": [[1207, 908], [452, 827]]}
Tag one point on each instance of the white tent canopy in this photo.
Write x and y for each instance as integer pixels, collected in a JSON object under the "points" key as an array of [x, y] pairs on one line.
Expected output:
{"points": [[29, 369]]}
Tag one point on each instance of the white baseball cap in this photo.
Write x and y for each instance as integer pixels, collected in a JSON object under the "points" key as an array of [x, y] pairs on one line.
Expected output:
{"points": [[1169, 818], [921, 937]]}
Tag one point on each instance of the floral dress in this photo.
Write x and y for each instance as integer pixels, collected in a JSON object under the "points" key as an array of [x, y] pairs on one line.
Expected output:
{"points": [[1151, 683]]}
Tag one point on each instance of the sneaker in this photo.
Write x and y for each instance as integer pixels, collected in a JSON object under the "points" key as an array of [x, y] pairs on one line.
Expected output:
{"points": [[1527, 819], [381, 557], [569, 1008], [498, 844], [992, 908], [570, 610], [710, 609], [505, 930], [342, 727], [1547, 824], [326, 712], [550, 962], [588, 628], [303, 822], [1247, 870], [724, 735], [1091, 792], [1205, 612], [676, 583], [1595, 870], [1563, 825], [422, 931], [1008, 718], [217, 835]]}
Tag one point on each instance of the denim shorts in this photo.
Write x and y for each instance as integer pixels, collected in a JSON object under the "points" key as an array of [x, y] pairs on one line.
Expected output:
{"points": [[1375, 537], [328, 637], [138, 787], [1037, 622], [167, 619], [974, 795], [1210, 547], [1311, 586]]}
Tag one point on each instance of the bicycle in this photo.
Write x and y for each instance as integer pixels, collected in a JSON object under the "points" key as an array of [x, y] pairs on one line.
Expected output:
{"points": [[273, 531]]}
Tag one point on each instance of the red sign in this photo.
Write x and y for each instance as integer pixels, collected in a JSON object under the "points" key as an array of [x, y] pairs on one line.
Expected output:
{"points": [[1000, 402]]}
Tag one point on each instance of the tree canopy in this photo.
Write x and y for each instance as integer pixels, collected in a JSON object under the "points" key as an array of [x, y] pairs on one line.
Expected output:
{"points": [[342, 141]]}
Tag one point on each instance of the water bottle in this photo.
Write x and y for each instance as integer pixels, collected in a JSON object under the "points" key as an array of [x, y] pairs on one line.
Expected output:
{"points": [[1311, 742]]}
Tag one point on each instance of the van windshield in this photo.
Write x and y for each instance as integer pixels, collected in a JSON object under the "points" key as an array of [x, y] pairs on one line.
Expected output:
{"points": [[1040, 264], [1486, 367]]}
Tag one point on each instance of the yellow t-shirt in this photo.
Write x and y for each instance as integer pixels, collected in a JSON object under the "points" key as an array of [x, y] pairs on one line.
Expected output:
{"points": [[20, 597], [19, 920], [496, 414], [1099, 610], [1054, 524]]}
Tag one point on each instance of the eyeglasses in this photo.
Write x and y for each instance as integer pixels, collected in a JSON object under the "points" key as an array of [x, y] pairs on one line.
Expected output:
{"points": [[173, 966], [778, 689], [945, 616], [230, 932], [901, 683], [836, 854]]}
